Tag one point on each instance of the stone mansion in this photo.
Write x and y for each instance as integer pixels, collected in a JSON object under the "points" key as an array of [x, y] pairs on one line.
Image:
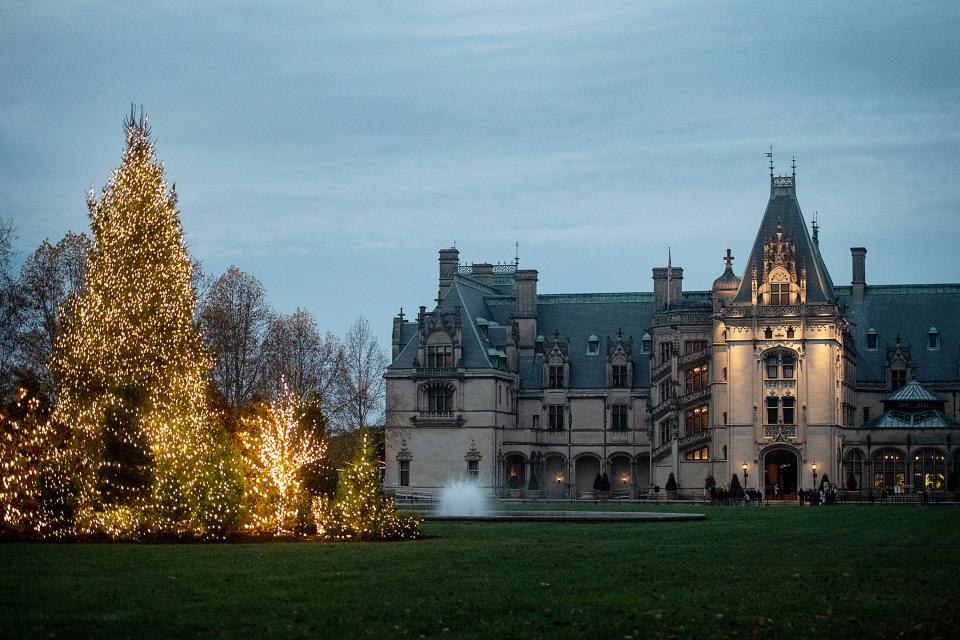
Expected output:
{"points": [[777, 375]]}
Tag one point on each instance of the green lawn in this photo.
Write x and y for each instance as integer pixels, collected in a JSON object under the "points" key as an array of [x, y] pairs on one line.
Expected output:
{"points": [[842, 572]]}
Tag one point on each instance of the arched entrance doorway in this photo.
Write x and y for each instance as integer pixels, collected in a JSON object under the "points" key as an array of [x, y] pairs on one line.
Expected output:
{"points": [[586, 469], [780, 468]]}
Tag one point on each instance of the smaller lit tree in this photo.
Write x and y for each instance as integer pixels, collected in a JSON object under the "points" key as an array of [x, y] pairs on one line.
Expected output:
{"points": [[362, 511], [276, 447], [26, 441]]}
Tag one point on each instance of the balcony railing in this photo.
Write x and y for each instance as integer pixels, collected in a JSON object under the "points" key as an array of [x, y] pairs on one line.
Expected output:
{"points": [[690, 358], [437, 419], [659, 370], [435, 372], [695, 396], [694, 439], [664, 407]]}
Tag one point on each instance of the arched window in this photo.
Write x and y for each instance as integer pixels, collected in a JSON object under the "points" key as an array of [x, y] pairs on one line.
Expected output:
{"points": [[439, 398], [871, 339], [933, 339], [889, 469], [853, 465], [929, 469]]}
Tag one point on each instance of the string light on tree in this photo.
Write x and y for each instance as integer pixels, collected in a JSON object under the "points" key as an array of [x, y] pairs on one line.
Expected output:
{"points": [[276, 447]]}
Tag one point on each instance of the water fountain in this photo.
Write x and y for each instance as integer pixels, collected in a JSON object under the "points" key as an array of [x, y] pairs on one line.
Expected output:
{"points": [[462, 498]]}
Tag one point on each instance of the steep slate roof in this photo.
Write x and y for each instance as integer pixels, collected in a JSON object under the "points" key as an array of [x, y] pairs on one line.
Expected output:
{"points": [[913, 391], [784, 208], [910, 311]]}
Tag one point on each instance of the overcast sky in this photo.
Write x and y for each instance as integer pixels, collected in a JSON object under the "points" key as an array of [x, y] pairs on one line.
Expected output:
{"points": [[331, 149]]}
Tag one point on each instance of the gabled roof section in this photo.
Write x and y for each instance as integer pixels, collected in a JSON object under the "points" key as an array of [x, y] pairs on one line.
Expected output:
{"points": [[783, 209]]}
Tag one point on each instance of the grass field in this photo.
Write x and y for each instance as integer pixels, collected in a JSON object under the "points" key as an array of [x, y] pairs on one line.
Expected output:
{"points": [[839, 572]]}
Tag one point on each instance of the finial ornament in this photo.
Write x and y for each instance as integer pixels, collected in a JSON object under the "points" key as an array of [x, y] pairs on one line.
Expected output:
{"points": [[728, 259], [793, 166], [769, 155], [516, 253]]}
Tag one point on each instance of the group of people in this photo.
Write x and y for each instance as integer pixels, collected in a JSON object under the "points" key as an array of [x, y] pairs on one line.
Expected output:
{"points": [[738, 495], [826, 495]]}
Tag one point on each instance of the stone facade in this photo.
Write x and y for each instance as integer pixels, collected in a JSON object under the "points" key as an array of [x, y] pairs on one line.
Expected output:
{"points": [[774, 376]]}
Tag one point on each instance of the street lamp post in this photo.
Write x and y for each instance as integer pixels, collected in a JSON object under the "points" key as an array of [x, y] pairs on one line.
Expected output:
{"points": [[745, 475], [814, 467]]}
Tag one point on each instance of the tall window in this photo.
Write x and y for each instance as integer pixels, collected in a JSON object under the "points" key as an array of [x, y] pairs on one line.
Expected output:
{"points": [[404, 473], [854, 465], [866, 415], [697, 419], [556, 376], [440, 355], [889, 469], [780, 293], [473, 470], [898, 378], [871, 340], [664, 389], [619, 421], [666, 350], [440, 399], [697, 378], [929, 469], [555, 416], [781, 366], [664, 432], [619, 375], [933, 339], [781, 410], [692, 346]]}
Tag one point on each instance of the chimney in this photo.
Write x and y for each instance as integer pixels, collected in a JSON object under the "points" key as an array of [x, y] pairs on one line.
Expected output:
{"points": [[859, 282], [526, 311], [449, 261], [664, 295], [482, 272]]}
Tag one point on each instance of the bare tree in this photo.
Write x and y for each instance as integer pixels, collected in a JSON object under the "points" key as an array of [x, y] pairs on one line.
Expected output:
{"points": [[364, 364], [234, 319], [10, 308], [48, 278], [311, 363]]}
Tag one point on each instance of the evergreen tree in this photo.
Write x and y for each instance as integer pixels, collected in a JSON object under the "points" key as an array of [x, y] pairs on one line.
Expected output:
{"points": [[362, 511], [130, 367]]}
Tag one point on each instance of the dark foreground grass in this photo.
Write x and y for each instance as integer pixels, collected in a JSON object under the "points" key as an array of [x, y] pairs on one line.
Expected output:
{"points": [[841, 572]]}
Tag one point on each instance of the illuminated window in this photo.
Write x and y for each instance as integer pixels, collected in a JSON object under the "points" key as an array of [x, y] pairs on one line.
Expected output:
{"points": [[703, 453], [697, 419], [619, 421], [929, 469], [555, 416], [440, 356], [404, 473], [619, 375], [889, 469], [697, 378]]}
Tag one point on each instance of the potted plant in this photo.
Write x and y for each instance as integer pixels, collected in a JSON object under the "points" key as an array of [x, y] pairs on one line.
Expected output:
{"points": [[604, 488], [533, 487], [672, 490], [513, 484], [852, 491]]}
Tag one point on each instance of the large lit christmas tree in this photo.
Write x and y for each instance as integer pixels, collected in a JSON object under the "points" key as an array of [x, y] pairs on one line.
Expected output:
{"points": [[130, 368]]}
